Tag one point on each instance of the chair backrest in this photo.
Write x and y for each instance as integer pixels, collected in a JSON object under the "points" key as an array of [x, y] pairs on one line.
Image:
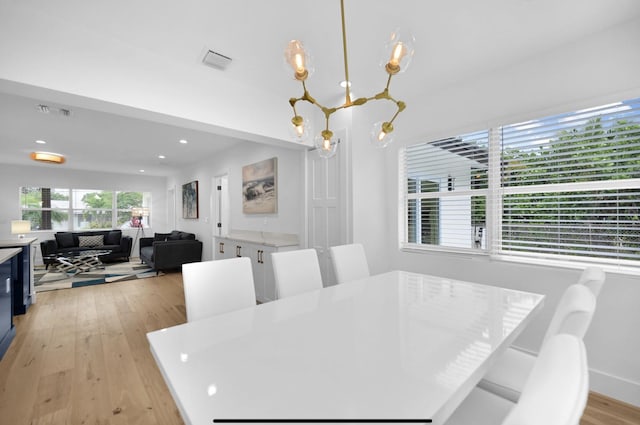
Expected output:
{"points": [[296, 272], [593, 278], [556, 391], [349, 262], [218, 286], [574, 312]]}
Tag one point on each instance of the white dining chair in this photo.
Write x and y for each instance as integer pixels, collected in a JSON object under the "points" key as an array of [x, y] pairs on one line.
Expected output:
{"points": [[573, 315], [593, 278], [555, 393], [296, 272], [349, 262], [218, 286]]}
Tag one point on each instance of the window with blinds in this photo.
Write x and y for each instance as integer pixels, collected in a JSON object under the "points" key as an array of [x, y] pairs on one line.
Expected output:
{"points": [[571, 185], [446, 187], [565, 187]]}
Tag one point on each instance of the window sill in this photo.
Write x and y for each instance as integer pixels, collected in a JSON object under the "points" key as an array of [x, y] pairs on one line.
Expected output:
{"points": [[574, 265], [472, 254]]}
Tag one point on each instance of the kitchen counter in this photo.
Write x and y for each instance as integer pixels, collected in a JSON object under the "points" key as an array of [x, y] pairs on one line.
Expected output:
{"points": [[263, 238]]}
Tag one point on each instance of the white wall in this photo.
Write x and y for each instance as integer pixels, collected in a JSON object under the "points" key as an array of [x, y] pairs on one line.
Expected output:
{"points": [[13, 177], [369, 198], [291, 192], [600, 69]]}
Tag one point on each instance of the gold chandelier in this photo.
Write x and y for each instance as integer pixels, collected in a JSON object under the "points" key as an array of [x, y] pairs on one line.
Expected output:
{"points": [[398, 54]]}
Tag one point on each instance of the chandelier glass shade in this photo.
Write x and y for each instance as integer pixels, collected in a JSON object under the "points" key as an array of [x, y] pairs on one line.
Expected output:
{"points": [[398, 52]]}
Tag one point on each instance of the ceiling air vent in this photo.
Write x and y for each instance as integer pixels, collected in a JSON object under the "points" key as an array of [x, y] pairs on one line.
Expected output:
{"points": [[216, 60]]}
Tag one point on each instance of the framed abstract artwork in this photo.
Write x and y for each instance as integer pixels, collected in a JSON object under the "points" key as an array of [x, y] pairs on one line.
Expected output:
{"points": [[190, 200], [259, 187]]}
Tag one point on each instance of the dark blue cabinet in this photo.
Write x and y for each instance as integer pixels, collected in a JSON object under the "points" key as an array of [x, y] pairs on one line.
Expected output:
{"points": [[9, 259], [22, 284]]}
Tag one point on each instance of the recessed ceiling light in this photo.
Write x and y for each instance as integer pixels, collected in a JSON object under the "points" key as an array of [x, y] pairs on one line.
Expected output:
{"points": [[142, 171], [184, 142], [344, 84], [40, 142], [50, 157], [161, 156]]}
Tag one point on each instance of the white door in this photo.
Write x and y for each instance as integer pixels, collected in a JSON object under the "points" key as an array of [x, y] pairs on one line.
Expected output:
{"points": [[220, 208], [221, 205], [327, 218]]}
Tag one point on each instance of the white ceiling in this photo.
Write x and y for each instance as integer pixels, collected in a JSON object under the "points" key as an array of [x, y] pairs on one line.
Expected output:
{"points": [[117, 65]]}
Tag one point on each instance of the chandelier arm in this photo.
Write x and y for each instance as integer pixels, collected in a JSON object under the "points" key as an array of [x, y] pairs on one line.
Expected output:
{"points": [[388, 82], [395, 115], [347, 101], [307, 97]]}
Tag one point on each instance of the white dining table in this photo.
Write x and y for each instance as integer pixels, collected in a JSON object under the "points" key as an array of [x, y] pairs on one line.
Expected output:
{"points": [[395, 346]]}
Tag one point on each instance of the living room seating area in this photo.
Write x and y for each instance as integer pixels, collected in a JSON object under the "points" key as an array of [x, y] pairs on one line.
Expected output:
{"points": [[167, 251], [74, 242]]}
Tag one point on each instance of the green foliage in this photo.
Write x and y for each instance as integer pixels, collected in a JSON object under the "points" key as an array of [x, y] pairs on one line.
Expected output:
{"points": [[32, 197], [103, 203], [128, 200], [581, 221], [97, 213]]}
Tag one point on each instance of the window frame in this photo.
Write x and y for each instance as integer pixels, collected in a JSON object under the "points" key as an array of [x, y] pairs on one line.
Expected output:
{"points": [[71, 209], [495, 193]]}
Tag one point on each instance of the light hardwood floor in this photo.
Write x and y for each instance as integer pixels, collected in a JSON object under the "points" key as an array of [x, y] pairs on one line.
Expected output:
{"points": [[81, 357]]}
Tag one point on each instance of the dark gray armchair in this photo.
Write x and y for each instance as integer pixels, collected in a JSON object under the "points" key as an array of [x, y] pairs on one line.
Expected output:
{"points": [[167, 251]]}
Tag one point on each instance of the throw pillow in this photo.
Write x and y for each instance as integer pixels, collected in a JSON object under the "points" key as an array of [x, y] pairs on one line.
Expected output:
{"points": [[64, 240], [174, 235], [187, 236], [113, 237], [91, 241]]}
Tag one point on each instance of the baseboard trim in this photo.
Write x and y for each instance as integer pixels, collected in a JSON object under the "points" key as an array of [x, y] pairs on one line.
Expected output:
{"points": [[615, 387], [620, 389]]}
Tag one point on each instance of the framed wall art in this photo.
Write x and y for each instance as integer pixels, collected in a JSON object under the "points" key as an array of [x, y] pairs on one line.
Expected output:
{"points": [[190, 200], [260, 187]]}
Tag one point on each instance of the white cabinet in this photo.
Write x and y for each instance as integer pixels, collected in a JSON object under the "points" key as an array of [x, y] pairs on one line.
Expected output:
{"points": [[260, 254]]}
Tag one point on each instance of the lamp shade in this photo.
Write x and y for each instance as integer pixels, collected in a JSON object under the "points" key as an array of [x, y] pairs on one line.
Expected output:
{"points": [[139, 212], [20, 227]]}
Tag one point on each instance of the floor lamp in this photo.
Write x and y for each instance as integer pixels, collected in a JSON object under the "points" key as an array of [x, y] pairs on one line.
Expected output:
{"points": [[137, 215]]}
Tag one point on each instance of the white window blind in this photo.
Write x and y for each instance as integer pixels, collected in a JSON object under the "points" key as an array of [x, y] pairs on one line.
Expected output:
{"points": [[446, 184], [565, 187], [571, 185]]}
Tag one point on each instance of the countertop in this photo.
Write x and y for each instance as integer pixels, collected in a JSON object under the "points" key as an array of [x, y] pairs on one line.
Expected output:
{"points": [[7, 253], [12, 243], [262, 238]]}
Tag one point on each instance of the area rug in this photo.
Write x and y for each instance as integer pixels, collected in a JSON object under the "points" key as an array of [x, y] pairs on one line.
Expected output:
{"points": [[49, 280]]}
